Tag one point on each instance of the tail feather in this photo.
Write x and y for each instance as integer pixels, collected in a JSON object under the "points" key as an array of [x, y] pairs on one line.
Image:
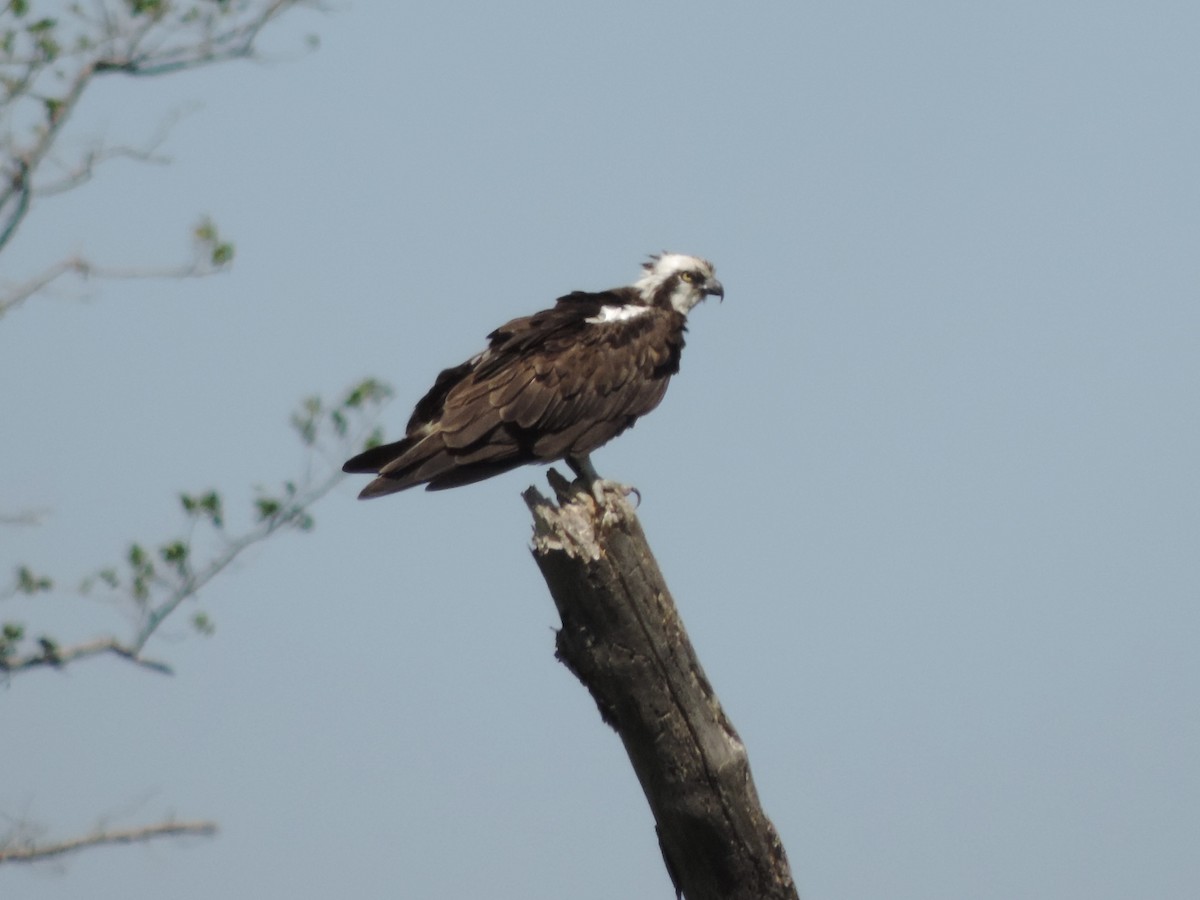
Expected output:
{"points": [[426, 459], [399, 465], [460, 475], [400, 475], [371, 461]]}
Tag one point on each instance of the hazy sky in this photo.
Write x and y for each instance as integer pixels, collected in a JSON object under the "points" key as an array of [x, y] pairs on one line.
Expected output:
{"points": [[926, 489]]}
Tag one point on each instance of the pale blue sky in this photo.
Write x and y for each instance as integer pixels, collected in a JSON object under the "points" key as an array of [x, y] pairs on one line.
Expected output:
{"points": [[926, 488]]}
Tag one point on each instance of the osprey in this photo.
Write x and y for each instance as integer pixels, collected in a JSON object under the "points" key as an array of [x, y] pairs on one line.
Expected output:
{"points": [[554, 385]]}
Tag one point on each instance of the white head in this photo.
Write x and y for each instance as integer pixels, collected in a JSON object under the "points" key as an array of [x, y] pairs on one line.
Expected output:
{"points": [[677, 281]]}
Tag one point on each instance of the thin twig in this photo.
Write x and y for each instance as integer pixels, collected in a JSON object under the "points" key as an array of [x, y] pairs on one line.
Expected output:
{"points": [[53, 656], [85, 168], [56, 657], [235, 42], [158, 592], [24, 517], [84, 268], [288, 515], [21, 181], [34, 852]]}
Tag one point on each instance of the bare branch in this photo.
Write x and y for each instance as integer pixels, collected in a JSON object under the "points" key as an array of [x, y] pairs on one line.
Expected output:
{"points": [[199, 267], [182, 585], [236, 42], [24, 517], [27, 852], [56, 657], [115, 41], [290, 515], [83, 170], [23, 292], [158, 581], [16, 193], [20, 181]]}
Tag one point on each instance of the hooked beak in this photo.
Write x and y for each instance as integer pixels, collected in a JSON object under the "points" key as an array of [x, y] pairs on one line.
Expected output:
{"points": [[712, 287]]}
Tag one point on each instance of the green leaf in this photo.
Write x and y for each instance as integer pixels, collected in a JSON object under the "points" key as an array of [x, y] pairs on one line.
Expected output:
{"points": [[340, 425], [144, 7], [305, 420], [49, 648], [268, 507], [222, 254], [210, 503], [207, 506], [175, 554], [10, 635], [28, 583], [203, 624], [369, 390], [47, 47], [108, 576], [205, 232]]}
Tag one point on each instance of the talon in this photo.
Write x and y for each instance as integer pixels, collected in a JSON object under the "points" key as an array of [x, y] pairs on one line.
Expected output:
{"points": [[582, 466], [600, 485]]}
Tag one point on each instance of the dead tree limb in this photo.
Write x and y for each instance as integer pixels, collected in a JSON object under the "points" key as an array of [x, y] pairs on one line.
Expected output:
{"points": [[622, 637]]}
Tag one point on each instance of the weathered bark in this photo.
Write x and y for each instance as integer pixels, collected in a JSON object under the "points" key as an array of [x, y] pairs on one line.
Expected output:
{"points": [[622, 637]]}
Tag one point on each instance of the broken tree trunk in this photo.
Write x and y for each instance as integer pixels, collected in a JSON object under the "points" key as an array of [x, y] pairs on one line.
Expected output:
{"points": [[622, 637]]}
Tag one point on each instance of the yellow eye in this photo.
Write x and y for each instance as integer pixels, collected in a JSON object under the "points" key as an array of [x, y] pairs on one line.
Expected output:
{"points": [[689, 277]]}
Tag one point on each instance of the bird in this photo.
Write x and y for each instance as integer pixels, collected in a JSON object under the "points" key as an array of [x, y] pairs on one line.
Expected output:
{"points": [[552, 386]]}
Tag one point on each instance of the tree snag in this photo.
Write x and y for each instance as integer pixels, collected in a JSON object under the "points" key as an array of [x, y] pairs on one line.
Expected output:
{"points": [[622, 637]]}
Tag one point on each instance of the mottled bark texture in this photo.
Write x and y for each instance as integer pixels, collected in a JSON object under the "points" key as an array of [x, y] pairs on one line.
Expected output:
{"points": [[622, 637]]}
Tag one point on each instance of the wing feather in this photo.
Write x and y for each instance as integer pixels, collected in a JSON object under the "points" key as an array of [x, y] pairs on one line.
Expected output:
{"points": [[598, 384], [529, 407], [518, 383], [470, 425], [557, 444]]}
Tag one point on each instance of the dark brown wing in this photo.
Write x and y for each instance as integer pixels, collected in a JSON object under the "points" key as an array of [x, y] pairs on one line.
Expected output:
{"points": [[548, 386]]}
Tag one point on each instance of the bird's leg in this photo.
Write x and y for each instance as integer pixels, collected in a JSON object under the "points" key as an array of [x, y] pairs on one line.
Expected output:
{"points": [[584, 470]]}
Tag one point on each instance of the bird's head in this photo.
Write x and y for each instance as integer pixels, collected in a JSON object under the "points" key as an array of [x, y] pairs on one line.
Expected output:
{"points": [[676, 281]]}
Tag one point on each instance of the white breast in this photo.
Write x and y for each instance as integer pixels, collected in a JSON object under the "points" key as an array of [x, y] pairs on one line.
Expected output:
{"points": [[617, 314]]}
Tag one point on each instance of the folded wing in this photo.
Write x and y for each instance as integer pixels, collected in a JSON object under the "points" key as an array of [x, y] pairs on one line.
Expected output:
{"points": [[557, 384]]}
